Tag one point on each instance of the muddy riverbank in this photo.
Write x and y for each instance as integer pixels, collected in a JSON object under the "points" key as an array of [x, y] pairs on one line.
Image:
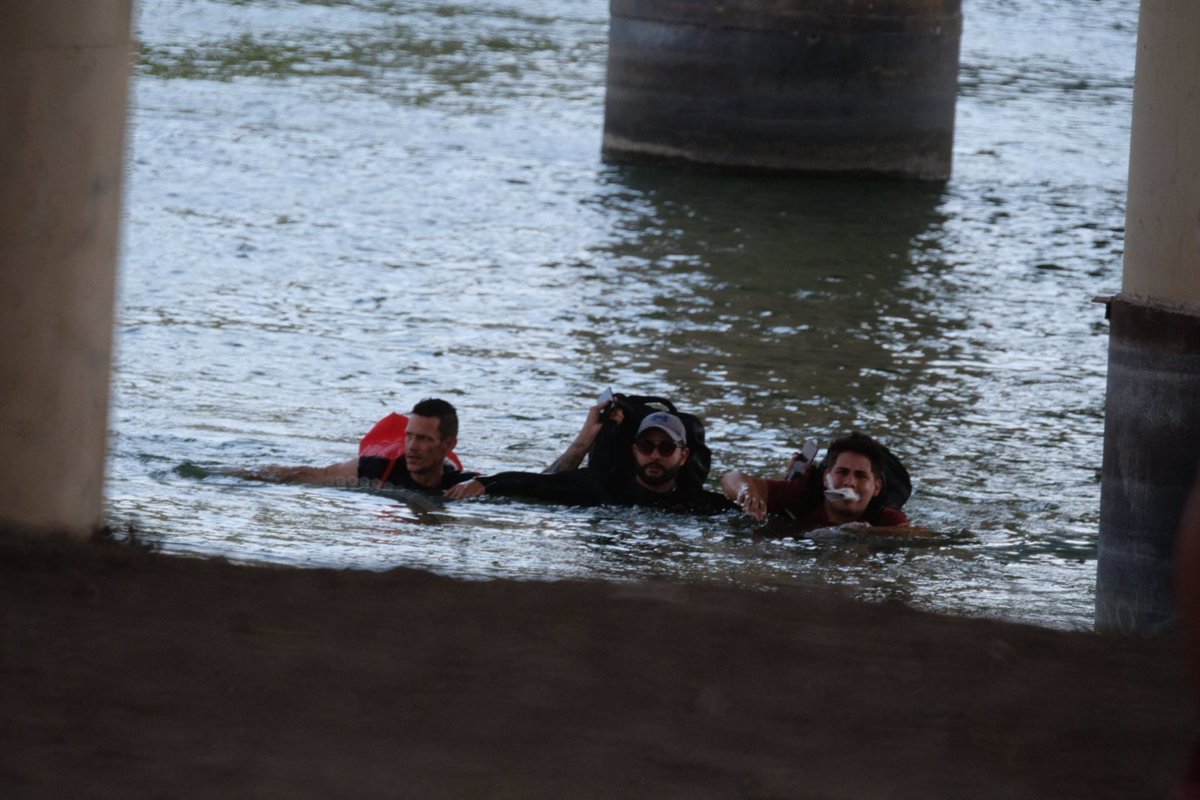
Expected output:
{"points": [[132, 674]]}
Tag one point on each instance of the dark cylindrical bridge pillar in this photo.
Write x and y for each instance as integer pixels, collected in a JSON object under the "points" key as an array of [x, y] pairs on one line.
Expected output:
{"points": [[843, 86]]}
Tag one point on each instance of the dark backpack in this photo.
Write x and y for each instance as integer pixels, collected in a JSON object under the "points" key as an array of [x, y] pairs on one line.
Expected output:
{"points": [[610, 455]]}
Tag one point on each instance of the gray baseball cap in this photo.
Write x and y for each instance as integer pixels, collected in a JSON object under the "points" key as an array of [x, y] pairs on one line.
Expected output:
{"points": [[668, 423]]}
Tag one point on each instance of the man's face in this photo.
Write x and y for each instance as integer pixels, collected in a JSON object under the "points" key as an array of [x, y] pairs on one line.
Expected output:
{"points": [[852, 471], [424, 447], [656, 470]]}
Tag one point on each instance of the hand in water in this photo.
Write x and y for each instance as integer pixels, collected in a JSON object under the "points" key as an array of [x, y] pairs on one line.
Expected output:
{"points": [[752, 502]]}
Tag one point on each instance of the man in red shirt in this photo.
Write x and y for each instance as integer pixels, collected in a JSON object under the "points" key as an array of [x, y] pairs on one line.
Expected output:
{"points": [[847, 492]]}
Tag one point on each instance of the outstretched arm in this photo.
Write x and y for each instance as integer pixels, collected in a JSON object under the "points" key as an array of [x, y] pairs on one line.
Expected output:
{"points": [[573, 456], [334, 475], [747, 491], [575, 488]]}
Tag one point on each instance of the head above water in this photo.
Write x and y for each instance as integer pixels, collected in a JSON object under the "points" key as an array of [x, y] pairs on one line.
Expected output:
{"points": [[861, 444], [855, 464], [446, 416], [659, 451]]}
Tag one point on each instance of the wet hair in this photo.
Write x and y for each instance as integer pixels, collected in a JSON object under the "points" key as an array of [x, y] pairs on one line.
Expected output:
{"points": [[862, 445], [447, 416]]}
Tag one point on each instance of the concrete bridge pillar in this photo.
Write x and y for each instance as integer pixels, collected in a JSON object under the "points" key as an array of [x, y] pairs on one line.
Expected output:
{"points": [[842, 86], [1152, 424], [64, 70]]}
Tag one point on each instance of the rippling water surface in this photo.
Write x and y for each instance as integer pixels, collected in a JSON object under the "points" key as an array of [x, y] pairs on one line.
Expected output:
{"points": [[337, 208]]}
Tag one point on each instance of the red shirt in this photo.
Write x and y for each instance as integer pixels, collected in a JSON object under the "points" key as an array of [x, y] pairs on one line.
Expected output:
{"points": [[790, 496]]}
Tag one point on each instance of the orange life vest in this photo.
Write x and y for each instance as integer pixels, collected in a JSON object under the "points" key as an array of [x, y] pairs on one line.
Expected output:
{"points": [[386, 440]]}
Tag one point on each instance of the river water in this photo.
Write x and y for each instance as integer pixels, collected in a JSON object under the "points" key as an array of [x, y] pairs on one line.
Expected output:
{"points": [[336, 208]]}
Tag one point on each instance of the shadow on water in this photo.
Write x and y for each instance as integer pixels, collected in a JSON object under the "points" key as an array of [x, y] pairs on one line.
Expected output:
{"points": [[771, 296]]}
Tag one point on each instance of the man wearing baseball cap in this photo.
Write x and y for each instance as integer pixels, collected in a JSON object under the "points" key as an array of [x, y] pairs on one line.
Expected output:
{"points": [[659, 451]]}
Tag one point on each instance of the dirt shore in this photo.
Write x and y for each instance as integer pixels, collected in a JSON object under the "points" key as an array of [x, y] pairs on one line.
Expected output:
{"points": [[128, 674]]}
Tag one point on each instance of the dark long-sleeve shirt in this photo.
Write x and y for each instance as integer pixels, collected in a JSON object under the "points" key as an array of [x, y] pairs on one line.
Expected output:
{"points": [[372, 468], [582, 488]]}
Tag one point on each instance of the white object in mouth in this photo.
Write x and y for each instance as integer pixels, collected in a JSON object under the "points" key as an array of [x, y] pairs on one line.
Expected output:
{"points": [[848, 495]]}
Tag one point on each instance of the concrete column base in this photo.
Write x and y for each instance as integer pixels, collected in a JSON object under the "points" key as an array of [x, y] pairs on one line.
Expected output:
{"points": [[1151, 453]]}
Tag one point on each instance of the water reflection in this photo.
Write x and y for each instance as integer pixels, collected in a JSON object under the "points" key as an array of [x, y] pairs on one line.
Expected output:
{"points": [[769, 291]]}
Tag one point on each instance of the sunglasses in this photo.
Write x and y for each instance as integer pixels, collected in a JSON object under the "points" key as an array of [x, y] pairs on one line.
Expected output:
{"points": [[647, 448]]}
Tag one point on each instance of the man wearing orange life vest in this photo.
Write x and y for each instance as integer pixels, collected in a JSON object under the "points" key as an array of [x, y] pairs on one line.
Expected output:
{"points": [[413, 452]]}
